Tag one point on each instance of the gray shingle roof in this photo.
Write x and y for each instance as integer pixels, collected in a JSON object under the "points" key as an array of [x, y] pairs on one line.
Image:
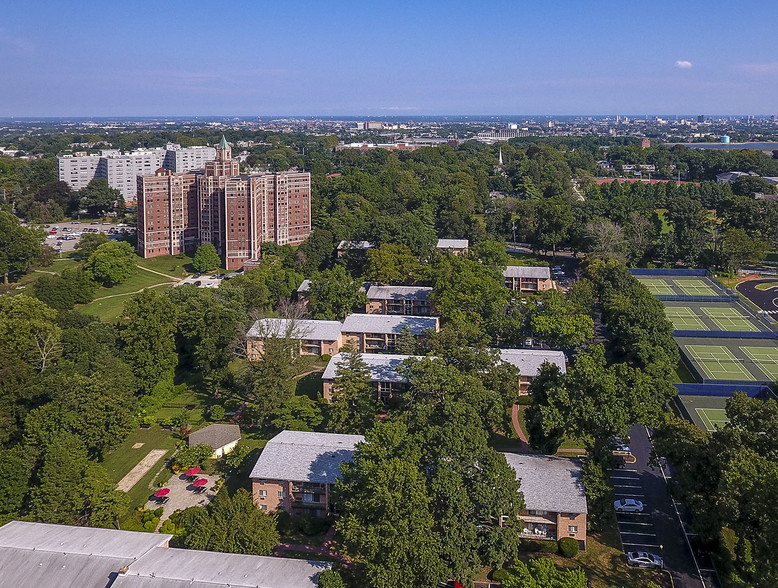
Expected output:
{"points": [[300, 329], [383, 367], [452, 243], [305, 457], [188, 568], [524, 271], [355, 245], [216, 435], [387, 323], [529, 360], [304, 286], [549, 483], [398, 292]]}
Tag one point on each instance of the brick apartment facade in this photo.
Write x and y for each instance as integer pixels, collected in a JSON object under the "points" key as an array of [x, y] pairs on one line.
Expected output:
{"points": [[235, 212]]}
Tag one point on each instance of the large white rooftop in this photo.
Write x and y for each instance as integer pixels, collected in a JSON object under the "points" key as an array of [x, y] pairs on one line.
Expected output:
{"points": [[388, 323], [295, 329], [526, 271], [398, 292], [452, 243], [300, 456], [529, 360], [383, 367]]}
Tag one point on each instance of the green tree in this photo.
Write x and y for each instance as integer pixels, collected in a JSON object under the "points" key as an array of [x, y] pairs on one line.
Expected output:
{"points": [[28, 331], [298, 413], [112, 263], [406, 343], [749, 185], [555, 217], [353, 406], [98, 197], [390, 264], [386, 524], [193, 456], [89, 243], [206, 258], [148, 334], [331, 579], [738, 248], [333, 294], [233, 525], [19, 246]]}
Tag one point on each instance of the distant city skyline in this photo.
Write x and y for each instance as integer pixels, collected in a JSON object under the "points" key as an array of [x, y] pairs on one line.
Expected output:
{"points": [[75, 59]]}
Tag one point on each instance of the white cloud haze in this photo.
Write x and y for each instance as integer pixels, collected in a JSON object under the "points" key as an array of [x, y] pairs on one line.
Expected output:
{"points": [[683, 64]]}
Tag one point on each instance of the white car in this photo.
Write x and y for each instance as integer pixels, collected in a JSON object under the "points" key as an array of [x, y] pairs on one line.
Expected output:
{"points": [[643, 559], [628, 505]]}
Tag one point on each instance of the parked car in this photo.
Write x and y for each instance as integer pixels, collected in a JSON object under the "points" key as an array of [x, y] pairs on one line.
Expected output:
{"points": [[628, 505], [644, 559], [619, 445], [198, 283]]}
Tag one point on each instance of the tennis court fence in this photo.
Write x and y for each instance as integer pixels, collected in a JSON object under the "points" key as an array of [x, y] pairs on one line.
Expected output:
{"points": [[680, 273], [728, 334], [720, 389]]}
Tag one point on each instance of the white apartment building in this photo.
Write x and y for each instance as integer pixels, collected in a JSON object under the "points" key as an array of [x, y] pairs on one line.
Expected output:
{"points": [[122, 169]]}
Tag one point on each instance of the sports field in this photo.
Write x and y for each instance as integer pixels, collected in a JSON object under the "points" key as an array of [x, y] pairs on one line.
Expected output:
{"points": [[707, 412], [684, 319], [717, 362], [730, 315], [765, 358], [657, 286], [679, 286], [713, 418], [695, 287], [729, 319]]}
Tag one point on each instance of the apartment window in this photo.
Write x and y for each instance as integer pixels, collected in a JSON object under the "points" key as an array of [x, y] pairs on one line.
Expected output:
{"points": [[572, 529], [262, 494], [263, 507], [281, 494]]}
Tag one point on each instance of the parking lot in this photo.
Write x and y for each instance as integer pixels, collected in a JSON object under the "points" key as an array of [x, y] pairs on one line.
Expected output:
{"points": [[663, 528], [64, 237], [202, 281]]}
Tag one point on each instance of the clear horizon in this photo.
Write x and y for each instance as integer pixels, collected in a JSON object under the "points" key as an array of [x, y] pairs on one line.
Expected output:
{"points": [[66, 60]]}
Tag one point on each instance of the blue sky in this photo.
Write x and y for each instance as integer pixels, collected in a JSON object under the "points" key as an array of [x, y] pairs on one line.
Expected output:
{"points": [[138, 58]]}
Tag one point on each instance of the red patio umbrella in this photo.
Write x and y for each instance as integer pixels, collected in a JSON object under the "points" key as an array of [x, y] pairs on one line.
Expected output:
{"points": [[200, 482], [192, 472], [162, 492]]}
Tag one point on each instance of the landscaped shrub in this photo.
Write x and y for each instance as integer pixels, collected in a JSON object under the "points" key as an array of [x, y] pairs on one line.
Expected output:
{"points": [[217, 413], [524, 400], [500, 575], [148, 420], [330, 579], [285, 524], [311, 525], [326, 358], [568, 547], [168, 528], [533, 545]]}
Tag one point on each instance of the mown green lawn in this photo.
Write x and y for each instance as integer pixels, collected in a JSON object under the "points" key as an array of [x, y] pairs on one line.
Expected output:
{"points": [[177, 266], [119, 462], [109, 302]]}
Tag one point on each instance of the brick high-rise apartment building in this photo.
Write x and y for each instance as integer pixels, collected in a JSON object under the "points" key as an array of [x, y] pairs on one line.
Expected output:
{"points": [[235, 212]]}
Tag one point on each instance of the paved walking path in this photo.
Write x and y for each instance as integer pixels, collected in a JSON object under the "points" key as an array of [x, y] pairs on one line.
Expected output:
{"points": [[140, 470], [129, 293]]}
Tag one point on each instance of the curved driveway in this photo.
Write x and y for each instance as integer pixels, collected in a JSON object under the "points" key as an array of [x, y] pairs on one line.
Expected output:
{"points": [[767, 300]]}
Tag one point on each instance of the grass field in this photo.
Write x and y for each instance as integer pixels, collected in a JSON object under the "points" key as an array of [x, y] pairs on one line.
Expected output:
{"points": [[765, 358], [684, 318], [729, 319], [176, 266], [714, 418], [718, 363], [767, 286]]}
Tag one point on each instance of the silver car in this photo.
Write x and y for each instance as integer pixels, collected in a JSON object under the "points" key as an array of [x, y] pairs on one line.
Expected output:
{"points": [[628, 505], [643, 559]]}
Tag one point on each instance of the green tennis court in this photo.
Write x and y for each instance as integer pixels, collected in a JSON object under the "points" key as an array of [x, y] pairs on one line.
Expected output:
{"points": [[657, 287], [718, 363], [694, 287], [729, 319], [684, 319], [713, 418], [765, 358]]}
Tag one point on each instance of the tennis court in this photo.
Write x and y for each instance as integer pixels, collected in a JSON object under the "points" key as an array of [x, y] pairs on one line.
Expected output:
{"points": [[707, 412], [717, 362], [765, 358], [729, 319], [684, 319], [695, 287], [713, 418], [657, 286]]}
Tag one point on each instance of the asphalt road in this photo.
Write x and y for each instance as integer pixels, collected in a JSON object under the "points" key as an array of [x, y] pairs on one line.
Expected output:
{"points": [[659, 528], [767, 300]]}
